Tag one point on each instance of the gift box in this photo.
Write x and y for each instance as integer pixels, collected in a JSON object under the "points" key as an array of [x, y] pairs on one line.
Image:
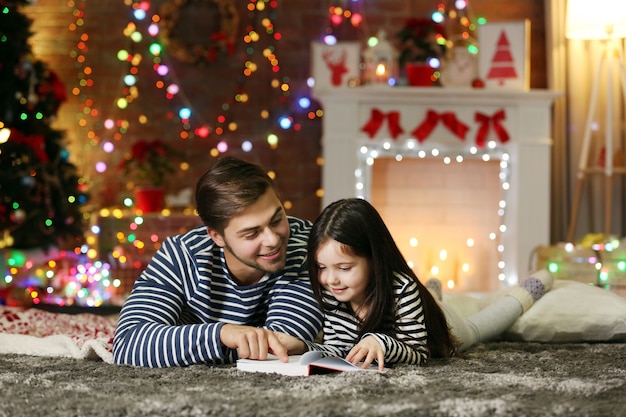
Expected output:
{"points": [[600, 263]]}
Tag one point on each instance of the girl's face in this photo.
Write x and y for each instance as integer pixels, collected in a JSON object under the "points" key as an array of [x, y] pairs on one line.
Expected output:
{"points": [[344, 275]]}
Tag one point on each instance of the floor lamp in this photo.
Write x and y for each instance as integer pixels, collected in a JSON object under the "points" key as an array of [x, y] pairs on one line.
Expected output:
{"points": [[604, 21]]}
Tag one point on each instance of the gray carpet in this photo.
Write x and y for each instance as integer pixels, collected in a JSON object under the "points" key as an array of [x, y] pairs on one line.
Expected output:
{"points": [[494, 379]]}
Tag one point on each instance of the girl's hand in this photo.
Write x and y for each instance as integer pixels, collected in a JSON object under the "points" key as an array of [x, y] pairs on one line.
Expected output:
{"points": [[293, 345], [367, 350]]}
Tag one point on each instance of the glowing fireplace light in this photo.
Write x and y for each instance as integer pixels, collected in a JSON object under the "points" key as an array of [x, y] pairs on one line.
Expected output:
{"points": [[456, 260]]}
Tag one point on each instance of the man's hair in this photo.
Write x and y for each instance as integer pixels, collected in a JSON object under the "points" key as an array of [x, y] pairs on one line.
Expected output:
{"points": [[228, 188]]}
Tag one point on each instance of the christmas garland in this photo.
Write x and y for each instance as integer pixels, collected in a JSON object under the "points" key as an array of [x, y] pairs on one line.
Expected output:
{"points": [[221, 42]]}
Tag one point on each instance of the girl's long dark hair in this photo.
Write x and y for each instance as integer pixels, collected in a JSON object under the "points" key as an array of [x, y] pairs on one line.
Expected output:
{"points": [[357, 225]]}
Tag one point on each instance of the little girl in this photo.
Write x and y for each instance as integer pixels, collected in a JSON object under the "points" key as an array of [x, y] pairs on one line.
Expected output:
{"points": [[375, 307]]}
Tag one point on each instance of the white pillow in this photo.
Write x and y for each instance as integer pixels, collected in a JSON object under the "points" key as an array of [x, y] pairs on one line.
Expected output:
{"points": [[572, 312]]}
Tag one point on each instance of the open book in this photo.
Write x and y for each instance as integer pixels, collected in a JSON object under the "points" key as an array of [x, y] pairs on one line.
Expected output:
{"points": [[310, 363]]}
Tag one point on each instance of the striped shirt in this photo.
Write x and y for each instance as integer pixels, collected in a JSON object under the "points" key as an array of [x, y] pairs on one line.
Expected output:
{"points": [[185, 295], [407, 346]]}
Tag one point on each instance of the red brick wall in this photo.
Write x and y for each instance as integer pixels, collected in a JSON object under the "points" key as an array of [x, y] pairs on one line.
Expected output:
{"points": [[295, 160]]}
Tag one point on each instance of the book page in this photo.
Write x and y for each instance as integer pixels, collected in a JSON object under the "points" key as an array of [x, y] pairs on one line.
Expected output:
{"points": [[318, 359]]}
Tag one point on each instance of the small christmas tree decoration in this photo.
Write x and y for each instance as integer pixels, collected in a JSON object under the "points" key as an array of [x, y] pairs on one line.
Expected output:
{"points": [[460, 25], [505, 55], [502, 59], [460, 66]]}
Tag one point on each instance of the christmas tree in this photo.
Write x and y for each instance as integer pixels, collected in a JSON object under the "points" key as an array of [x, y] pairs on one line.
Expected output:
{"points": [[40, 191], [460, 25]]}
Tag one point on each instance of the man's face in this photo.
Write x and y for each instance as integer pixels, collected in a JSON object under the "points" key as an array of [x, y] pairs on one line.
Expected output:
{"points": [[255, 240]]}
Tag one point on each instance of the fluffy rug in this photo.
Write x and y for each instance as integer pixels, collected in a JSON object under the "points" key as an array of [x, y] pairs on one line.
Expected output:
{"points": [[54, 364], [493, 379]]}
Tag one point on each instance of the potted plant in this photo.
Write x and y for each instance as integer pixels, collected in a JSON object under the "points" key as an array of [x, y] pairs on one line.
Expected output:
{"points": [[421, 43], [147, 165]]}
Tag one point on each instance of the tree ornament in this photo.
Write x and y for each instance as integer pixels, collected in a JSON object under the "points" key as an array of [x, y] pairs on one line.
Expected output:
{"points": [[18, 216]]}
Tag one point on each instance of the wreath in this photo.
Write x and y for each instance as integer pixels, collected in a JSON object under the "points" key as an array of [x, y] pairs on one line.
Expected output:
{"points": [[221, 42]]}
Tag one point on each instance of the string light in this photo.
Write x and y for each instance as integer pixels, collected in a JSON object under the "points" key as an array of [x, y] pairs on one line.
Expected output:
{"points": [[106, 126], [370, 151], [143, 31]]}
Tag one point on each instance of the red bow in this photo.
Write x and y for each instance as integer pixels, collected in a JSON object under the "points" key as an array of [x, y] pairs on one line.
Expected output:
{"points": [[483, 119], [449, 120], [376, 120], [35, 142]]}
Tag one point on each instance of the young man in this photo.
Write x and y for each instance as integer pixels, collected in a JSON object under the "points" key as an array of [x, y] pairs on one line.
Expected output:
{"points": [[220, 291]]}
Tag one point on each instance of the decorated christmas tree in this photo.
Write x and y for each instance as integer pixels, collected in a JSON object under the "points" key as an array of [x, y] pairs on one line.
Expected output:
{"points": [[40, 190], [460, 25]]}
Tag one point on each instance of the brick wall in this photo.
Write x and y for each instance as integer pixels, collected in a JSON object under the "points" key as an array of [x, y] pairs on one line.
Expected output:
{"points": [[295, 161]]}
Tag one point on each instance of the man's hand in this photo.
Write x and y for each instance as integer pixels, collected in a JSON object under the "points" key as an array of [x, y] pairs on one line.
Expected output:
{"points": [[293, 345], [367, 350], [252, 342]]}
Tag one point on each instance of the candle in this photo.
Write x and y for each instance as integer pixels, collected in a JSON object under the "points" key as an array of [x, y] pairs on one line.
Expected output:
{"points": [[381, 73]]}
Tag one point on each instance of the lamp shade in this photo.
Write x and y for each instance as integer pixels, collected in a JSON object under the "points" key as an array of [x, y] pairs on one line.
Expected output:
{"points": [[603, 19]]}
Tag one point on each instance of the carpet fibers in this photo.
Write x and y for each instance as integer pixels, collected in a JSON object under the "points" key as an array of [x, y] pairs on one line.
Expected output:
{"points": [[493, 379]]}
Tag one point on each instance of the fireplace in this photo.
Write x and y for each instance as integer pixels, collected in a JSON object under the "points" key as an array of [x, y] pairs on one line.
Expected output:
{"points": [[460, 176]]}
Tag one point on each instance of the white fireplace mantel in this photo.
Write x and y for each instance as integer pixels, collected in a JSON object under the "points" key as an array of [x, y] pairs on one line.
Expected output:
{"points": [[528, 120]]}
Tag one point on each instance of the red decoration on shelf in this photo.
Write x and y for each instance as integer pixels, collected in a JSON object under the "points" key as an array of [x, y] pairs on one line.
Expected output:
{"points": [[485, 121], [376, 120], [432, 119], [478, 83], [419, 74], [149, 199], [336, 64]]}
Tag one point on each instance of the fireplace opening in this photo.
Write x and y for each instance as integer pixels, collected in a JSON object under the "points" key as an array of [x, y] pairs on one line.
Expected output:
{"points": [[446, 215], [521, 142]]}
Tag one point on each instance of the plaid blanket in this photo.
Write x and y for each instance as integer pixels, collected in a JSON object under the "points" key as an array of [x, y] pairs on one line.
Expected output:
{"points": [[31, 331]]}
